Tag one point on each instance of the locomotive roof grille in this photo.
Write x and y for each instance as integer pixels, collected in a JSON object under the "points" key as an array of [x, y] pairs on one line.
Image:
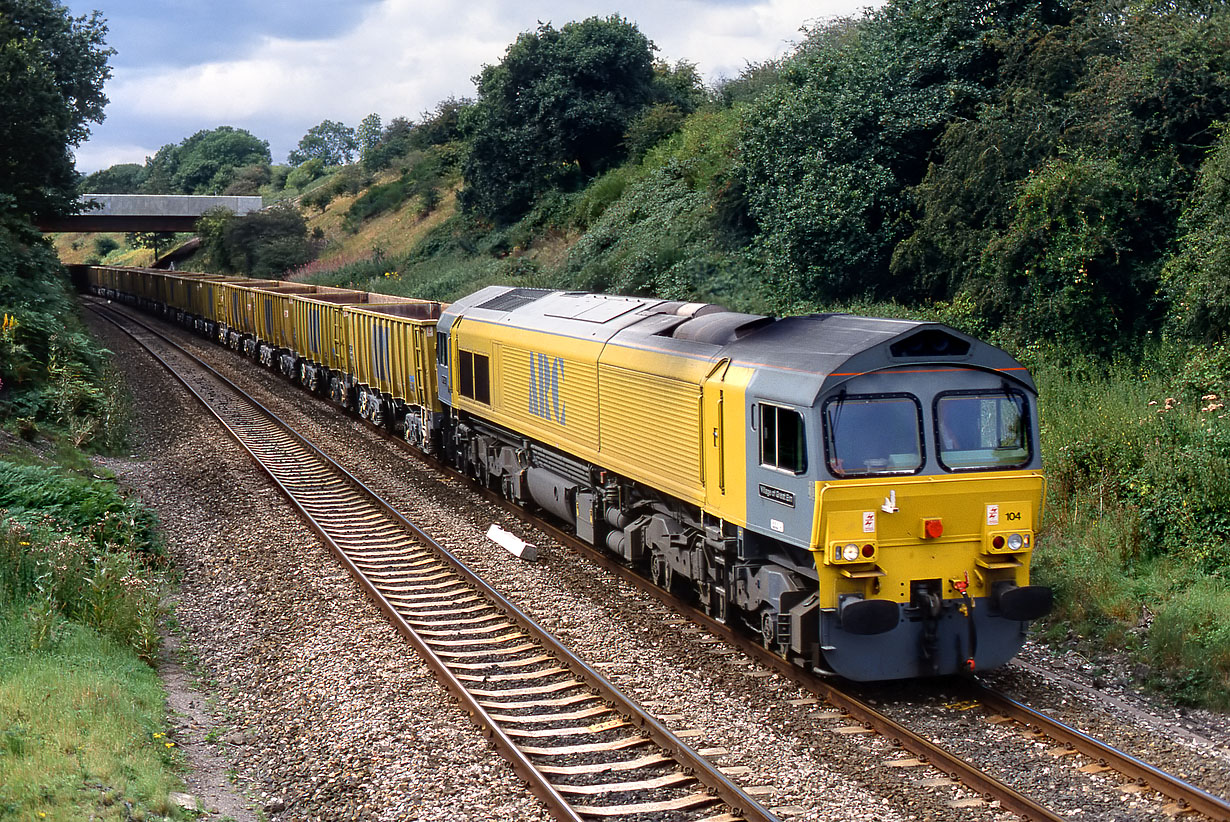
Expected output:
{"points": [[930, 343], [514, 299]]}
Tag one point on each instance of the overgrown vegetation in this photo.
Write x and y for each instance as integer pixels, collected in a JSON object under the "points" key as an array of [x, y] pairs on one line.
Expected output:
{"points": [[1138, 459], [81, 709]]}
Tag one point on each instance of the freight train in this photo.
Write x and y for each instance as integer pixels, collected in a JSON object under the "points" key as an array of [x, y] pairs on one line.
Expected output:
{"points": [[862, 493]]}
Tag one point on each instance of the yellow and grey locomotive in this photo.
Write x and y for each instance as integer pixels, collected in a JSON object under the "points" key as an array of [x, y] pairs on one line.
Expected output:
{"points": [[863, 492]]}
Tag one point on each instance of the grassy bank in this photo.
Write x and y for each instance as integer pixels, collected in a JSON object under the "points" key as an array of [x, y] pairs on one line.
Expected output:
{"points": [[81, 724], [82, 712], [1137, 536]]}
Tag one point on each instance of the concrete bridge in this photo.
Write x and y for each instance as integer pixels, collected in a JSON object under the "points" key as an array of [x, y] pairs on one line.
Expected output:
{"points": [[146, 212]]}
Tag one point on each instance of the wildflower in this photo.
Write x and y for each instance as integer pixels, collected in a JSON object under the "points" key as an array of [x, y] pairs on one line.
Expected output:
{"points": [[169, 744]]}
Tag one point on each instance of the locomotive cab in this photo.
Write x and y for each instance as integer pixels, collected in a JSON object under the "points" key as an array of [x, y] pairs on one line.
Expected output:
{"points": [[926, 509]]}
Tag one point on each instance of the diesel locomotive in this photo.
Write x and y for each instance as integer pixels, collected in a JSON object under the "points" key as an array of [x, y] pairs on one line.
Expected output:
{"points": [[862, 493]]}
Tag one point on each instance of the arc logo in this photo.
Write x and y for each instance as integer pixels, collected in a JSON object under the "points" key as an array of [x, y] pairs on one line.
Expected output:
{"points": [[546, 375]]}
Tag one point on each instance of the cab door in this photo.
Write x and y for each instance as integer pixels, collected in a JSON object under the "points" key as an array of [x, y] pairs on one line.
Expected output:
{"points": [[780, 474]]}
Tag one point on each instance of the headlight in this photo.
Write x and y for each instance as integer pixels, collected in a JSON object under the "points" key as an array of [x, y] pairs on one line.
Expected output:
{"points": [[1015, 542], [850, 552]]}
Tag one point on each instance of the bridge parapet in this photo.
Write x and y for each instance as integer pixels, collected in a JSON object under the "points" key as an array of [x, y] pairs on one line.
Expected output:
{"points": [[147, 212]]}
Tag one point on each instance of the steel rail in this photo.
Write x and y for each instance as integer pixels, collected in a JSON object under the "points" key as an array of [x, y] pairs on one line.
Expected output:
{"points": [[1198, 800], [942, 759], [740, 803]]}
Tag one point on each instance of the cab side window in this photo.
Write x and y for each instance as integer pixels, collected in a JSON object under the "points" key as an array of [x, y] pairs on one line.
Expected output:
{"points": [[474, 379], [782, 443]]}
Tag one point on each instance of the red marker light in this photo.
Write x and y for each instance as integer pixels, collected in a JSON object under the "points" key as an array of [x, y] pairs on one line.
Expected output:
{"points": [[933, 528], [998, 542], [869, 551]]}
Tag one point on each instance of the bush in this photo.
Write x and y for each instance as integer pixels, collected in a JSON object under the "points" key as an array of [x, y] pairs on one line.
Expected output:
{"points": [[305, 173], [263, 244], [1197, 278], [72, 548], [651, 126], [104, 245], [424, 175], [52, 374], [1138, 517]]}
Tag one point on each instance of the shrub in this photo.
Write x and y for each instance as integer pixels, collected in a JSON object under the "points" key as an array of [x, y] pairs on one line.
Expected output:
{"points": [[104, 245], [305, 173], [74, 548], [650, 127]]}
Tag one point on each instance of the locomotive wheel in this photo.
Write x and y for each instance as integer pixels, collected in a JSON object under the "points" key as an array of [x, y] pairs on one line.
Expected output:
{"points": [[768, 628], [660, 572]]}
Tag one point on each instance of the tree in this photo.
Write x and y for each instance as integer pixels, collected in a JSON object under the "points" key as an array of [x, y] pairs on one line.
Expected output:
{"points": [[832, 148], [1197, 278], [52, 70], [125, 178], [260, 244], [153, 240], [553, 112], [331, 142], [368, 135], [205, 163]]}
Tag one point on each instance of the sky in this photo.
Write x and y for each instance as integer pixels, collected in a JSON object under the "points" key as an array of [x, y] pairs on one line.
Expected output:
{"points": [[279, 67]]}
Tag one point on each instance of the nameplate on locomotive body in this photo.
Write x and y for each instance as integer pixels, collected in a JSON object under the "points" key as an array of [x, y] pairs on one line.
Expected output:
{"points": [[776, 495]]}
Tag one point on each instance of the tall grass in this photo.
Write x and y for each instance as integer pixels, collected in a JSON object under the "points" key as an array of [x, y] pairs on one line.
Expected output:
{"points": [[82, 733], [73, 549], [1137, 535]]}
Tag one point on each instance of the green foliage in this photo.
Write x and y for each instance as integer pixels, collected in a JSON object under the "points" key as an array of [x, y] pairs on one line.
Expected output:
{"points": [[1058, 268], [422, 179], [205, 163], [105, 244], [367, 135], [1189, 642], [248, 180], [590, 204], [82, 725], [51, 373], [305, 173], [125, 178], [1139, 507], [830, 150], [394, 142], [553, 112], [680, 86], [54, 501], [73, 547], [52, 70], [650, 127], [641, 243], [346, 180], [263, 244], [753, 82], [1197, 278], [331, 142], [659, 229], [1074, 173]]}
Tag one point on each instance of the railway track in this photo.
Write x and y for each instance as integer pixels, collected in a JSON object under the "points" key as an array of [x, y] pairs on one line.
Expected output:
{"points": [[583, 747], [1139, 776], [857, 713]]}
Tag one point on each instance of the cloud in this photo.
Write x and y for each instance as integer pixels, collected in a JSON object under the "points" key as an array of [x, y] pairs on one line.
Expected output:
{"points": [[94, 156], [392, 57]]}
